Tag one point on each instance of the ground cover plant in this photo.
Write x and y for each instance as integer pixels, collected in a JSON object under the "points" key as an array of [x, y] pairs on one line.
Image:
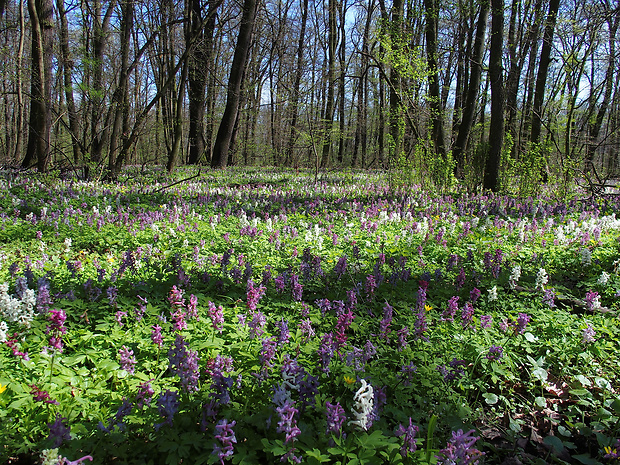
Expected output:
{"points": [[262, 316]]}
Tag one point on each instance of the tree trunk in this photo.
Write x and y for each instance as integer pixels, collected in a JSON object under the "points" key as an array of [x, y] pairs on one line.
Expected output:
{"points": [[543, 68], [19, 120], [496, 128], [473, 89], [67, 69], [395, 119], [328, 116], [197, 82], [297, 83], [233, 96], [42, 20], [431, 8]]}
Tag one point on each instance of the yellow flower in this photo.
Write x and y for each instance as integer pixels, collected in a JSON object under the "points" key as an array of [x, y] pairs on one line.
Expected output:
{"points": [[349, 379], [428, 308], [2, 388]]}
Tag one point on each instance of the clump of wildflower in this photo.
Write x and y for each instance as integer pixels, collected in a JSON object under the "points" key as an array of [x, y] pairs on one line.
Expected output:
{"points": [[39, 395], [44, 300], [549, 298], [56, 328], [371, 286], [586, 257], [254, 294], [588, 334], [450, 312], [3, 331], [492, 294], [408, 434], [612, 452], [119, 318], [460, 279], [335, 418], [486, 321], [592, 301], [522, 321], [145, 394], [474, 295], [467, 315], [226, 436], [460, 450], [495, 353], [167, 405], [257, 324], [384, 324], [128, 361], [156, 336], [363, 408], [306, 329], [603, 279], [515, 274], [541, 279], [402, 335], [184, 362], [216, 314], [59, 433], [453, 371]]}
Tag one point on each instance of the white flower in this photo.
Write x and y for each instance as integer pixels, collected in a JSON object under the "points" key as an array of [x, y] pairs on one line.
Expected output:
{"points": [[50, 457], [541, 278], [68, 243], [586, 257], [515, 274], [3, 330], [364, 402], [603, 279], [492, 293]]}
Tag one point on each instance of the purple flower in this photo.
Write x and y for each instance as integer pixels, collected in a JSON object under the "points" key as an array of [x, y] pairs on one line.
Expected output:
{"points": [[119, 317], [474, 294], [450, 312], [588, 334], [192, 307], [454, 371], [460, 279], [592, 300], [145, 393], [297, 289], [257, 323], [486, 321], [335, 418], [306, 329], [467, 315], [268, 350], [217, 316], [184, 362], [167, 405], [59, 433], [549, 298], [384, 324], [288, 423], [44, 300], [522, 320], [341, 266], [460, 450], [326, 351], [284, 335], [112, 294], [156, 336], [128, 361], [39, 395], [56, 327], [495, 353], [226, 436], [408, 434], [402, 335], [254, 294], [407, 372], [371, 286]]}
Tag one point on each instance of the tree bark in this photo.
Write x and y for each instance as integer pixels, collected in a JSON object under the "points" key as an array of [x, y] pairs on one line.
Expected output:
{"points": [[328, 116], [543, 68], [235, 80], [431, 8], [496, 128], [42, 21], [473, 89], [67, 70], [297, 83]]}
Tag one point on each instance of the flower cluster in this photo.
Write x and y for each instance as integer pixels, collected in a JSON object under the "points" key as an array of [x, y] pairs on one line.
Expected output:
{"points": [[363, 408], [460, 450], [226, 436]]}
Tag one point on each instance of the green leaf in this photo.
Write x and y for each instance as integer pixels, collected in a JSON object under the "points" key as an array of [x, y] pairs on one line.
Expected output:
{"points": [[541, 402], [586, 459], [555, 442], [490, 398]]}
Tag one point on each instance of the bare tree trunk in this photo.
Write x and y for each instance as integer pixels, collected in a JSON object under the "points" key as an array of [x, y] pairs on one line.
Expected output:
{"points": [[235, 80], [473, 89], [342, 58], [297, 83], [67, 68], [42, 20], [543, 68], [496, 129], [432, 20], [19, 123], [328, 116]]}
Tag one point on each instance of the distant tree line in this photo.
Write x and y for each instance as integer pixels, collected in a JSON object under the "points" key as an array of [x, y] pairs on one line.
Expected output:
{"points": [[484, 90]]}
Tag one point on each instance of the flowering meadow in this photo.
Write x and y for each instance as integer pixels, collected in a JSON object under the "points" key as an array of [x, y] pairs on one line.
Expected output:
{"points": [[262, 316]]}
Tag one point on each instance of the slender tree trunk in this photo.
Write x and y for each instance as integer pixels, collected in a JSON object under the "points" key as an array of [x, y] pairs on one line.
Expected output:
{"points": [[543, 68], [431, 8], [19, 120], [496, 128], [473, 89], [297, 83], [342, 6], [197, 82], [396, 83], [328, 116], [239, 63], [42, 20], [67, 68]]}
